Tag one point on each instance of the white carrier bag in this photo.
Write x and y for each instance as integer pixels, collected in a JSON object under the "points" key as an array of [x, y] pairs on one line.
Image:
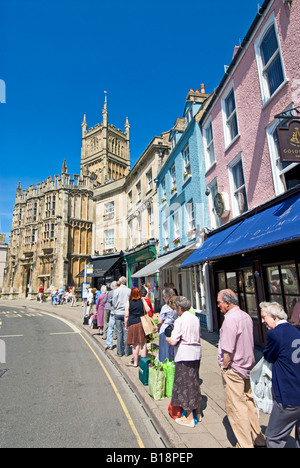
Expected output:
{"points": [[261, 385]]}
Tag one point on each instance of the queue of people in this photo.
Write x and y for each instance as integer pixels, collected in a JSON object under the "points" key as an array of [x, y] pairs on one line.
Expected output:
{"points": [[120, 309]]}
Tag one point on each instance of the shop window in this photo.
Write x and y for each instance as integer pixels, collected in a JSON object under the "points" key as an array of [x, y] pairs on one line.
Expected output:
{"points": [[283, 287], [247, 292], [242, 283]]}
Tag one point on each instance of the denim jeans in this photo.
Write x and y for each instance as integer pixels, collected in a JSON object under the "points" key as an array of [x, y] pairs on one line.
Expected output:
{"points": [[122, 347], [110, 330]]}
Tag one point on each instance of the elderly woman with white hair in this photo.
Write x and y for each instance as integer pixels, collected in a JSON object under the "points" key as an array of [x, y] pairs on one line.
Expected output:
{"points": [[283, 351], [186, 340]]}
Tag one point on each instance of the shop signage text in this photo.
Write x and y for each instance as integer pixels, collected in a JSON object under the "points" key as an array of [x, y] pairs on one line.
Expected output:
{"points": [[289, 142]]}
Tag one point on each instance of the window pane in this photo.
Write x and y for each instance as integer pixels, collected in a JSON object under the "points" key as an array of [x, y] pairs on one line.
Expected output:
{"points": [[249, 280], [274, 280], [233, 126], [275, 75], [238, 175], [276, 298], [231, 281], [289, 279], [269, 45], [209, 135], [230, 104], [212, 153], [294, 310], [251, 305], [221, 281], [242, 200]]}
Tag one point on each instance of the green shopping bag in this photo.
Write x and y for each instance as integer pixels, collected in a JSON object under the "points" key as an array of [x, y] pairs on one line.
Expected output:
{"points": [[157, 383], [169, 370]]}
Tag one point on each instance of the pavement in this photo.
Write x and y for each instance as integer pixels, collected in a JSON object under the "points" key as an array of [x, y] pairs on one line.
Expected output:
{"points": [[213, 432]]}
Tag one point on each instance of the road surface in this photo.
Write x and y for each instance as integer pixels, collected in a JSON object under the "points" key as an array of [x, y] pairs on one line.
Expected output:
{"points": [[58, 389]]}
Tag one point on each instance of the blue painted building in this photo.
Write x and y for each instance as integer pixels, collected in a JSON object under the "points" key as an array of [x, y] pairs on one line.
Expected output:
{"points": [[183, 208], [181, 181]]}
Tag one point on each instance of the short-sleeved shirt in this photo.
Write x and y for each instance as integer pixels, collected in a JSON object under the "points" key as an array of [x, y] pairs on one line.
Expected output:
{"points": [[168, 316], [187, 332], [236, 338]]}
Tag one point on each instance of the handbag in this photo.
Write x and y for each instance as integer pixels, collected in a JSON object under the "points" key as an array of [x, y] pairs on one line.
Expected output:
{"points": [[168, 330], [148, 325]]}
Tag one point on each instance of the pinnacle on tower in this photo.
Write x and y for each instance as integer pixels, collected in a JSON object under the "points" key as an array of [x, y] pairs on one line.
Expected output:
{"points": [[64, 168]]}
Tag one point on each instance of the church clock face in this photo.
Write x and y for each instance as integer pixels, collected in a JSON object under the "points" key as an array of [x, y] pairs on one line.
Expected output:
{"points": [[219, 204]]}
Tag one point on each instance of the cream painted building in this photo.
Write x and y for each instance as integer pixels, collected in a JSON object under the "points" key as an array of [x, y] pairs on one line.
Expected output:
{"points": [[142, 205]]}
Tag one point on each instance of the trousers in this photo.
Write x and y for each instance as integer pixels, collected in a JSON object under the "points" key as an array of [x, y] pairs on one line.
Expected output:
{"points": [[282, 421], [122, 347], [241, 410]]}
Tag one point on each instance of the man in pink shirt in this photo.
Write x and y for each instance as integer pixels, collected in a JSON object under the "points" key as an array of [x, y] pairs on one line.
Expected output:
{"points": [[236, 359]]}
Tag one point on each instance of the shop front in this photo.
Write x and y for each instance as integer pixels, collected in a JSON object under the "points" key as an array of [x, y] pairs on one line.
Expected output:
{"points": [[258, 257], [106, 269], [138, 259], [165, 270]]}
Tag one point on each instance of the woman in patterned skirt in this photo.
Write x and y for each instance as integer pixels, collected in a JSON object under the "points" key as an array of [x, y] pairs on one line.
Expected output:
{"points": [[186, 339]]}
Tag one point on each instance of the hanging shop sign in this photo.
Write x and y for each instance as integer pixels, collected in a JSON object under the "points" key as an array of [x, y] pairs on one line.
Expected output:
{"points": [[289, 141]]}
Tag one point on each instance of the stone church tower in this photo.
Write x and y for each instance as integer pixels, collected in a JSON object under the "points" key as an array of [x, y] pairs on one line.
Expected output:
{"points": [[105, 154]]}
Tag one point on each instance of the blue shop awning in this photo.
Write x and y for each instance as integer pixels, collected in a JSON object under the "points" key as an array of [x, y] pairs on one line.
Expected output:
{"points": [[275, 225], [272, 226], [209, 246]]}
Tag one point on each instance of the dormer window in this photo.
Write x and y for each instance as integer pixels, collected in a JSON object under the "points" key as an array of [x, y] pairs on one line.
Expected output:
{"points": [[189, 115]]}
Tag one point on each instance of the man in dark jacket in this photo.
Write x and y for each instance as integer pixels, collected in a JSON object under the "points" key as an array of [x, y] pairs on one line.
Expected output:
{"points": [[283, 351]]}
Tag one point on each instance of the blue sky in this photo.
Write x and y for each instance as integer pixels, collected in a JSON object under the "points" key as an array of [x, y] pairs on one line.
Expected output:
{"points": [[58, 57]]}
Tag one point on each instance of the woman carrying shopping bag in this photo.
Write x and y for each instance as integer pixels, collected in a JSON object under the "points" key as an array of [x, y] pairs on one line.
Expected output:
{"points": [[186, 339], [134, 310]]}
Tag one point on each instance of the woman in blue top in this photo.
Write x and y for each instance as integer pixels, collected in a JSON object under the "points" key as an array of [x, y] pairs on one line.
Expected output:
{"points": [[167, 317], [283, 351]]}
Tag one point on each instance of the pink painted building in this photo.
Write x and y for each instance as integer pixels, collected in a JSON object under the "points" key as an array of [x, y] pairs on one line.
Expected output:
{"points": [[239, 125], [253, 243]]}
